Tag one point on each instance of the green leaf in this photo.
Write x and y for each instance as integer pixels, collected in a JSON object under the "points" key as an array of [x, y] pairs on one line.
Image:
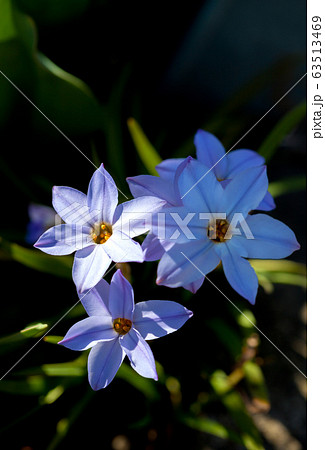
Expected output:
{"points": [[7, 26], [10, 342], [18, 66], [146, 151], [61, 96], [65, 100], [33, 385], [280, 271], [51, 339], [52, 395], [60, 73], [256, 384], [60, 266], [64, 425], [34, 330], [287, 124], [210, 426], [144, 385], [246, 319], [237, 410], [287, 186], [282, 265], [113, 129], [76, 368]]}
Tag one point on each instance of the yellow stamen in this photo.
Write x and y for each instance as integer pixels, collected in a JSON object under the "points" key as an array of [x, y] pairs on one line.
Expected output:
{"points": [[122, 326], [218, 230], [101, 233]]}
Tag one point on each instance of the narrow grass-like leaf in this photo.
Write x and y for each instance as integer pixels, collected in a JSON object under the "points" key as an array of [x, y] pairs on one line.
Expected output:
{"points": [[145, 149], [280, 271], [237, 410], [60, 266], [144, 385], [65, 424], [76, 368], [113, 130], [52, 395], [287, 186], [51, 339], [286, 125], [33, 385], [7, 27], [210, 426], [34, 330]]}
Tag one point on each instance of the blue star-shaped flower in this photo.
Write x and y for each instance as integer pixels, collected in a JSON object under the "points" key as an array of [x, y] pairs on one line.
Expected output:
{"points": [[96, 228], [214, 239], [211, 153], [117, 327]]}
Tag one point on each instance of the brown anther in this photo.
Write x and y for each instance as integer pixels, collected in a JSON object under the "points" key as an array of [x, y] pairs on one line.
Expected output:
{"points": [[218, 230], [122, 326], [101, 233]]}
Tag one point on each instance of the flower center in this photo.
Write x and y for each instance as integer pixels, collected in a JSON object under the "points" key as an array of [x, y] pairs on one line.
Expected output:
{"points": [[122, 326], [101, 232], [218, 230]]}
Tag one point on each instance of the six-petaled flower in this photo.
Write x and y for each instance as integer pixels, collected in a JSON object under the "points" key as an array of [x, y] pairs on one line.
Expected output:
{"points": [[211, 153], [116, 327], [96, 228], [213, 209]]}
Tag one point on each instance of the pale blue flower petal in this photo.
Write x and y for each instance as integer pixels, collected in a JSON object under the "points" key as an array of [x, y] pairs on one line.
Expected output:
{"points": [[88, 332], [245, 191], [267, 204], [134, 217], [152, 248], [239, 160], [157, 318], [103, 362], [272, 238], [121, 300], [240, 274], [211, 153], [102, 196], [199, 189], [179, 225], [70, 204], [175, 269], [168, 167], [89, 267], [139, 354], [95, 301], [195, 286], [64, 239], [148, 185], [120, 248]]}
